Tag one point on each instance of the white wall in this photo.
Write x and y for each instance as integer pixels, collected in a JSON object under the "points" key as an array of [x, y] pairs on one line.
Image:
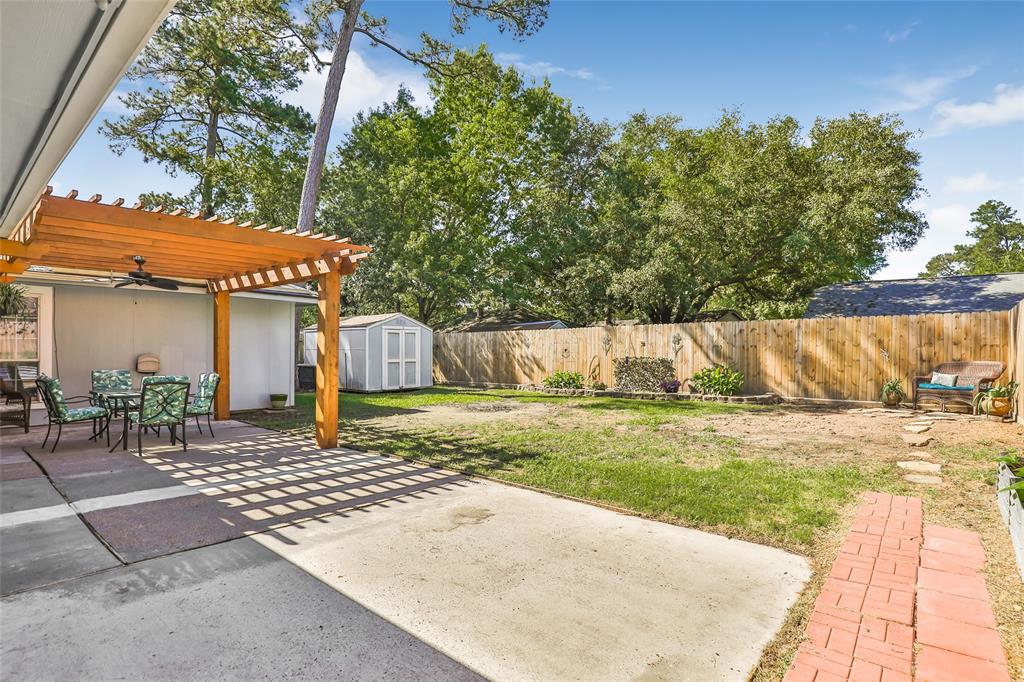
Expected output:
{"points": [[262, 355], [104, 328]]}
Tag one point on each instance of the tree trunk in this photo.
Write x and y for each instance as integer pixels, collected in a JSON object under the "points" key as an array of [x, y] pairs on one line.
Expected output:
{"points": [[211, 153], [315, 169]]}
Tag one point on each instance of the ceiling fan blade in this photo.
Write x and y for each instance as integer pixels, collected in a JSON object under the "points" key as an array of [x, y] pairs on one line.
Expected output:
{"points": [[161, 283], [123, 284]]}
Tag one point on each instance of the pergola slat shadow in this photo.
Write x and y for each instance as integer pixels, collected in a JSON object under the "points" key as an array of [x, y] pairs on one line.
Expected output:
{"points": [[68, 233]]}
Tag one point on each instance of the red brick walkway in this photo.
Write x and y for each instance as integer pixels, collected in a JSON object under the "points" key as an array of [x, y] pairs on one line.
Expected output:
{"points": [[891, 566]]}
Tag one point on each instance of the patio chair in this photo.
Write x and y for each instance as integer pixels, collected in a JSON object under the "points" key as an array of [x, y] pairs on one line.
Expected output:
{"points": [[163, 403], [11, 390], [58, 412], [202, 402], [111, 380], [26, 376]]}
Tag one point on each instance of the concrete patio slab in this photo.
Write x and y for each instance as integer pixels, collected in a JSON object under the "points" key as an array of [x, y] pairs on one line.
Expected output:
{"points": [[40, 553], [524, 586], [232, 611], [27, 493]]}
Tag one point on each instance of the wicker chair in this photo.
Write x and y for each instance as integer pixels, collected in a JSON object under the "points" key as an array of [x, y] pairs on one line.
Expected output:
{"points": [[973, 378]]}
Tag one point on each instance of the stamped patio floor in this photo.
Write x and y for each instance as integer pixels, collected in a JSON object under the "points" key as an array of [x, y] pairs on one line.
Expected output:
{"points": [[293, 558]]}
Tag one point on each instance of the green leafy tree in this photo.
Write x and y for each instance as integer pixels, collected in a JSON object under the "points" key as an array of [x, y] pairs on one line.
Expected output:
{"points": [[758, 213], [208, 103], [520, 18], [446, 195], [998, 245]]}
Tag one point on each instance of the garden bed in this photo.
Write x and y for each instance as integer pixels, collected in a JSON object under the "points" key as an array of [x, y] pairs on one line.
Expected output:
{"points": [[1012, 510], [762, 399]]}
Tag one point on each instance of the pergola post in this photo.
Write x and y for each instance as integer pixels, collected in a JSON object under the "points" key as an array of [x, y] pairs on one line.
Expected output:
{"points": [[222, 354], [327, 320]]}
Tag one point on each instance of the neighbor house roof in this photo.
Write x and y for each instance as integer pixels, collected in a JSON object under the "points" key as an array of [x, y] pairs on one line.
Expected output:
{"points": [[961, 294], [504, 320]]}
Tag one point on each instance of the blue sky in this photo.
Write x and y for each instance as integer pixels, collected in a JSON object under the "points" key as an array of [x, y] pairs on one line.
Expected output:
{"points": [[954, 71]]}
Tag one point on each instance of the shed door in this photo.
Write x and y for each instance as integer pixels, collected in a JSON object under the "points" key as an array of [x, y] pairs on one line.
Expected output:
{"points": [[392, 358], [401, 358]]}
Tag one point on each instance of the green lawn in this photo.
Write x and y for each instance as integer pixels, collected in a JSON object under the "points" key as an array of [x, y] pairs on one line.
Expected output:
{"points": [[609, 450]]}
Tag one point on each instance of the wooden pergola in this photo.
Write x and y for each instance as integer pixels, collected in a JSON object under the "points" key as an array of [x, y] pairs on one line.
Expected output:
{"points": [[66, 232]]}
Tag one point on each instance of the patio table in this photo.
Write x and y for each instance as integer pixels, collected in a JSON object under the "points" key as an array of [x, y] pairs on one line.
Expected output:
{"points": [[113, 397]]}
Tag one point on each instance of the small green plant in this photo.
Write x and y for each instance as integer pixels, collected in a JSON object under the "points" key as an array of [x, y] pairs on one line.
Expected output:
{"points": [[598, 386], [13, 298], [893, 391], [717, 380], [564, 379], [1016, 466], [1005, 392]]}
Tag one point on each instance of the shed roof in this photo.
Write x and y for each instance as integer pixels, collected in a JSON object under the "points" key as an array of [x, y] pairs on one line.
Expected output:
{"points": [[355, 321], [959, 294]]}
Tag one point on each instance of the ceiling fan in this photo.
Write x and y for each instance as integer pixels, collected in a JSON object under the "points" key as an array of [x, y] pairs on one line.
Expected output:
{"points": [[140, 277]]}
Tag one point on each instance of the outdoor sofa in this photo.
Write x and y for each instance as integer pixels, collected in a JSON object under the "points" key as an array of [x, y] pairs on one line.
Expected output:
{"points": [[972, 378]]}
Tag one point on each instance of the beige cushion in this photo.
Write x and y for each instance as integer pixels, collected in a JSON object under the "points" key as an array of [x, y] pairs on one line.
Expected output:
{"points": [[941, 379]]}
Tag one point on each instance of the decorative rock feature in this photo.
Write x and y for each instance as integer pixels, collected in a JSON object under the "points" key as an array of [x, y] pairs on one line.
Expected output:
{"points": [[923, 479], [916, 428], [920, 467], [916, 440]]}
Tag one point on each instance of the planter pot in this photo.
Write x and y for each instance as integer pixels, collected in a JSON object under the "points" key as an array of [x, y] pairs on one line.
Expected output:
{"points": [[890, 400], [278, 400], [996, 407], [1012, 510]]}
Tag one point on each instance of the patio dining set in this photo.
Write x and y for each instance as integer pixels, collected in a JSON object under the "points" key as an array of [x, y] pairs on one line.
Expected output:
{"points": [[159, 402]]}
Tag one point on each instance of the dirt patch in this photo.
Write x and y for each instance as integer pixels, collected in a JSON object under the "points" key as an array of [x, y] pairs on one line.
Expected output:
{"points": [[465, 414]]}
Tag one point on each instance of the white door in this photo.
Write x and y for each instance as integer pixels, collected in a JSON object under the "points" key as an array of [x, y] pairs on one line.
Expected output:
{"points": [[401, 358], [392, 358], [410, 358]]}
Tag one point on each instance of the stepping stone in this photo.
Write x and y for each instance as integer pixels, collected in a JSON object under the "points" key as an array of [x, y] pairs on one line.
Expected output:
{"points": [[923, 422], [923, 480], [920, 467], [943, 416], [915, 440], [916, 428], [918, 455]]}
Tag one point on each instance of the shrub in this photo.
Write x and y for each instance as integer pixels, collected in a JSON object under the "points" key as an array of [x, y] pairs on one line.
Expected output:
{"points": [[564, 379], [894, 388], [717, 380], [642, 374], [671, 386], [598, 386]]}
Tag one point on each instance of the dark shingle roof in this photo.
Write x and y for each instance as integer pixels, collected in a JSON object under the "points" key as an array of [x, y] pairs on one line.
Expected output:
{"points": [[962, 294]]}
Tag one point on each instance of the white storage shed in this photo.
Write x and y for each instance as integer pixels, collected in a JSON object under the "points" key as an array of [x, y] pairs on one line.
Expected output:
{"points": [[386, 352]]}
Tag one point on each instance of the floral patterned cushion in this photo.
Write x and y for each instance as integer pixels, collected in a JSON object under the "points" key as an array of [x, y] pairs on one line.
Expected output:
{"points": [[56, 395], [163, 401], [81, 413], [111, 380], [202, 402]]}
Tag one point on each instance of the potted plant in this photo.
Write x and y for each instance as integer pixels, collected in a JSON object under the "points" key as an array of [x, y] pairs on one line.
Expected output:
{"points": [[671, 385], [893, 393], [278, 400], [998, 400]]}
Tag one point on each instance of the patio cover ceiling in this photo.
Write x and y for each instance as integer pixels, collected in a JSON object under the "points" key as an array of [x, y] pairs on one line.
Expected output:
{"points": [[65, 232]]}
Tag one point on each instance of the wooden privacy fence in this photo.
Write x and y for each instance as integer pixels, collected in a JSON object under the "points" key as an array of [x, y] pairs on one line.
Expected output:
{"points": [[847, 358], [1015, 357]]}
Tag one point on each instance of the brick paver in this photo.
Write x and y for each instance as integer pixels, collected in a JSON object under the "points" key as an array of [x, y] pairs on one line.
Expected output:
{"points": [[890, 569]]}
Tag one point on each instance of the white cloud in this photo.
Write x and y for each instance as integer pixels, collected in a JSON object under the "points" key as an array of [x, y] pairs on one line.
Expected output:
{"points": [[947, 226], [977, 182], [1006, 106], [911, 94], [114, 105], [541, 69], [901, 35], [362, 88]]}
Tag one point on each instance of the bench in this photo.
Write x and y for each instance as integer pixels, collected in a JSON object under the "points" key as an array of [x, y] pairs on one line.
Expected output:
{"points": [[972, 379]]}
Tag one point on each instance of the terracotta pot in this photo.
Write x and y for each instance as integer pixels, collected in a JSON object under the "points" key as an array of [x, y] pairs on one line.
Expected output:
{"points": [[890, 400], [997, 407]]}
